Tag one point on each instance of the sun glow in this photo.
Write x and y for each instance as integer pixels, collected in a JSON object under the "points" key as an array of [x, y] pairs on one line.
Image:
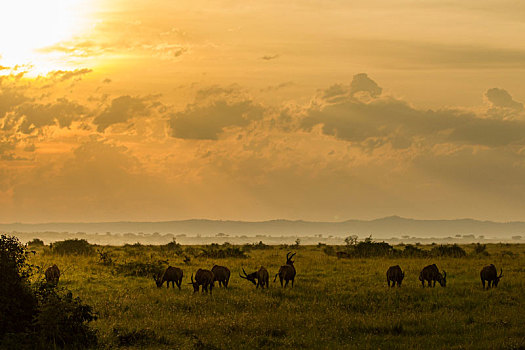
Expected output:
{"points": [[28, 26]]}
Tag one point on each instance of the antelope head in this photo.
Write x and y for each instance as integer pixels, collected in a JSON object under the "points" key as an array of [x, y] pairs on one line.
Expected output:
{"points": [[496, 281], [289, 257], [250, 277]]}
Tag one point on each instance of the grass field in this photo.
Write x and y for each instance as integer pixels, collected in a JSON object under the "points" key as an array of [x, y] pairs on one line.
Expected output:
{"points": [[335, 303]]}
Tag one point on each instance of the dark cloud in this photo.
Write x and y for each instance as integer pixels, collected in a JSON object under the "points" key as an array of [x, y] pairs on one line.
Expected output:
{"points": [[501, 98], [362, 83], [62, 75], [121, 110], [386, 118], [217, 91], [206, 122], [270, 57], [278, 86], [35, 116]]}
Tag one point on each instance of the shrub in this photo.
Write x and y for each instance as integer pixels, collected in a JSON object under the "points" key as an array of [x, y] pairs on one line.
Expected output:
{"points": [[62, 320], [481, 249], [17, 302], [35, 242], [215, 251], [39, 317], [173, 246], [329, 250], [141, 269], [104, 257], [369, 248], [411, 251], [72, 247], [256, 246], [453, 251]]}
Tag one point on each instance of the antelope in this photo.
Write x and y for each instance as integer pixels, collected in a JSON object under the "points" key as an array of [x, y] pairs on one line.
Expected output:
{"points": [[221, 275], [172, 274], [204, 278], [490, 274], [286, 272], [261, 276], [431, 273], [396, 275], [342, 255], [52, 275]]}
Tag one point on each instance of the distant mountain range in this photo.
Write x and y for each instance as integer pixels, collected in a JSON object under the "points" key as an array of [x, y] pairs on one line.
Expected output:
{"points": [[393, 226]]}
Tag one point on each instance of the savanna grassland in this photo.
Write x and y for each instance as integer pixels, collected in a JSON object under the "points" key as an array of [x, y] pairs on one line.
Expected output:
{"points": [[335, 303]]}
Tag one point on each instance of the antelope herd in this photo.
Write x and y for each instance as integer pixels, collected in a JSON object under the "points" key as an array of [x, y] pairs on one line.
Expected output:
{"points": [[205, 279]]}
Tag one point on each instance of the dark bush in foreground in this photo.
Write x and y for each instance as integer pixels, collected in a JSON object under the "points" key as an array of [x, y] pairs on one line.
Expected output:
{"points": [[453, 251], [62, 320], [38, 316], [18, 304], [72, 247]]}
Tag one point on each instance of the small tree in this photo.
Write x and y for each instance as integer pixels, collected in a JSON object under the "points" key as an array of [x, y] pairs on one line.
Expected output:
{"points": [[351, 240]]}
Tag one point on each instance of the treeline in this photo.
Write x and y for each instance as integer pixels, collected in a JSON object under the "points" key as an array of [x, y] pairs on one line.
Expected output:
{"points": [[369, 248]]}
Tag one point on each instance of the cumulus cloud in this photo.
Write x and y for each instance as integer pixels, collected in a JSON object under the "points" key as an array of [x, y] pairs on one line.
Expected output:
{"points": [[206, 122], [501, 98], [362, 83], [395, 121], [120, 110], [62, 75], [270, 57], [62, 112]]}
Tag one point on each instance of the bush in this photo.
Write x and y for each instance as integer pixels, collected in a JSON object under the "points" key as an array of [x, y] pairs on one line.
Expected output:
{"points": [[411, 251], [39, 317], [17, 301], [72, 247], [481, 249], [173, 247], [62, 320], [256, 246], [369, 248], [104, 258], [141, 269], [36, 243], [453, 251], [215, 251]]}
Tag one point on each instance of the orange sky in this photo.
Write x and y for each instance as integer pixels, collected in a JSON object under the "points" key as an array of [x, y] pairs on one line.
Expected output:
{"points": [[250, 110]]}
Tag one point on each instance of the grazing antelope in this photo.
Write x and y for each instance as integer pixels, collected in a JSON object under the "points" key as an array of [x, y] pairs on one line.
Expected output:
{"points": [[395, 275], [431, 273], [221, 275], [172, 274], [342, 255], [204, 278], [261, 276], [286, 272], [490, 274], [52, 275]]}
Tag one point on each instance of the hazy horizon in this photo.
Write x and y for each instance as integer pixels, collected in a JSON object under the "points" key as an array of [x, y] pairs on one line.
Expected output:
{"points": [[318, 111]]}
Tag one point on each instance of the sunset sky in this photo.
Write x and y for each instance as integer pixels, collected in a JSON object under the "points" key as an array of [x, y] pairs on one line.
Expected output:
{"points": [[254, 110]]}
